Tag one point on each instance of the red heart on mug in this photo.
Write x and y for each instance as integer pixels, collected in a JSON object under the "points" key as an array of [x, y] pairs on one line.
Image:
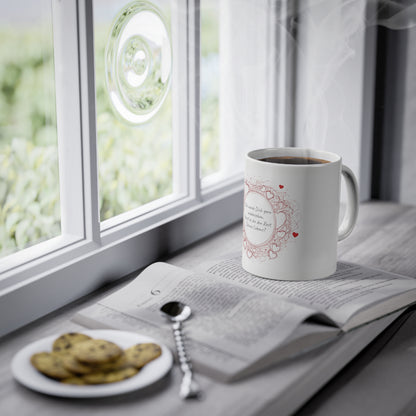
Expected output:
{"points": [[281, 186], [295, 234]]}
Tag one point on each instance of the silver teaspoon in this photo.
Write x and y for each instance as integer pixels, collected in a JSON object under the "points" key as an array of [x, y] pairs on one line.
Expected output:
{"points": [[177, 312]]}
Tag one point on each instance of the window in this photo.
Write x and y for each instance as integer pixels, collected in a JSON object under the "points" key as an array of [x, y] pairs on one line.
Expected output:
{"points": [[149, 133], [128, 188], [210, 85], [29, 179], [134, 108]]}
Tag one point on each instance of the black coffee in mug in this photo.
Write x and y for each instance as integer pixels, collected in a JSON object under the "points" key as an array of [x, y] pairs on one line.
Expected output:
{"points": [[294, 160]]}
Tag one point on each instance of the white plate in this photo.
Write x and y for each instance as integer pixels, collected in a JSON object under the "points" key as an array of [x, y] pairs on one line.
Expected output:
{"points": [[26, 374]]}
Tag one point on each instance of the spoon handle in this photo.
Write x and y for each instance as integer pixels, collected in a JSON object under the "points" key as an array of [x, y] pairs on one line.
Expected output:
{"points": [[189, 387]]}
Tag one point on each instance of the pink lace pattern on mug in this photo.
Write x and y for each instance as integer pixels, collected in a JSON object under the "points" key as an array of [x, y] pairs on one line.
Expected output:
{"points": [[285, 227]]}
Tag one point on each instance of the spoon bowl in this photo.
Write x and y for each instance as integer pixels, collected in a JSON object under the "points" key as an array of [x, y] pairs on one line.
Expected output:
{"points": [[176, 311]]}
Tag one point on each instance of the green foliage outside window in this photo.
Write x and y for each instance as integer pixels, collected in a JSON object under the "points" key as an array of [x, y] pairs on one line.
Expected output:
{"points": [[29, 187]]}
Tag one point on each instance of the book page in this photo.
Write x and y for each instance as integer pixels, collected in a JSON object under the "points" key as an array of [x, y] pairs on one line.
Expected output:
{"points": [[229, 317], [351, 289], [208, 360]]}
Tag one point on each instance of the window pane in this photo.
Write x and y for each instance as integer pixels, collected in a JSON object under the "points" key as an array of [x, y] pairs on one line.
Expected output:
{"points": [[210, 80], [237, 60], [134, 109], [29, 181]]}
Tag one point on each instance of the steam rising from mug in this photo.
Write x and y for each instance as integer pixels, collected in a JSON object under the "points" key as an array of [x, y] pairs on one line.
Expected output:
{"points": [[392, 14], [138, 61], [325, 39], [328, 44]]}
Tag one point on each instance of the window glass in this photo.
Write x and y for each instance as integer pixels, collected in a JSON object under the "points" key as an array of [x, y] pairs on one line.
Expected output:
{"points": [[237, 59], [29, 180], [210, 82], [133, 102]]}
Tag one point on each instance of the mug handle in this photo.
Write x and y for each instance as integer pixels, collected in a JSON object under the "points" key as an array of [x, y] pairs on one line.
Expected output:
{"points": [[351, 213]]}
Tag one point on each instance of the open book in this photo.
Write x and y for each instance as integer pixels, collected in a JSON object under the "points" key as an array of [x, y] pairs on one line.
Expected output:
{"points": [[242, 323]]}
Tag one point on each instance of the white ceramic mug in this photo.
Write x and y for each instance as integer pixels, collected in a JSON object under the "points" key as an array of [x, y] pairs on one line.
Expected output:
{"points": [[291, 213]]}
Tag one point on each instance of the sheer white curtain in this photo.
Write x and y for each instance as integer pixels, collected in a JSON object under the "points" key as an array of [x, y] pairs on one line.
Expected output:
{"points": [[335, 81], [246, 69]]}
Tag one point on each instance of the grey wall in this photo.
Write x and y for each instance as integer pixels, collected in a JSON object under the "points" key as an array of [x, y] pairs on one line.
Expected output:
{"points": [[394, 127], [407, 182]]}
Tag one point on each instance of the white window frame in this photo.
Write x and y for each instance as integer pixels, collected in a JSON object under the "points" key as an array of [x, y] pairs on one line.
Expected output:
{"points": [[45, 277]]}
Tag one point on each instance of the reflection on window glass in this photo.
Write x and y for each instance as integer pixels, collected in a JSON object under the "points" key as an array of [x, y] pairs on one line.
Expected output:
{"points": [[134, 151], [29, 181], [210, 157]]}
